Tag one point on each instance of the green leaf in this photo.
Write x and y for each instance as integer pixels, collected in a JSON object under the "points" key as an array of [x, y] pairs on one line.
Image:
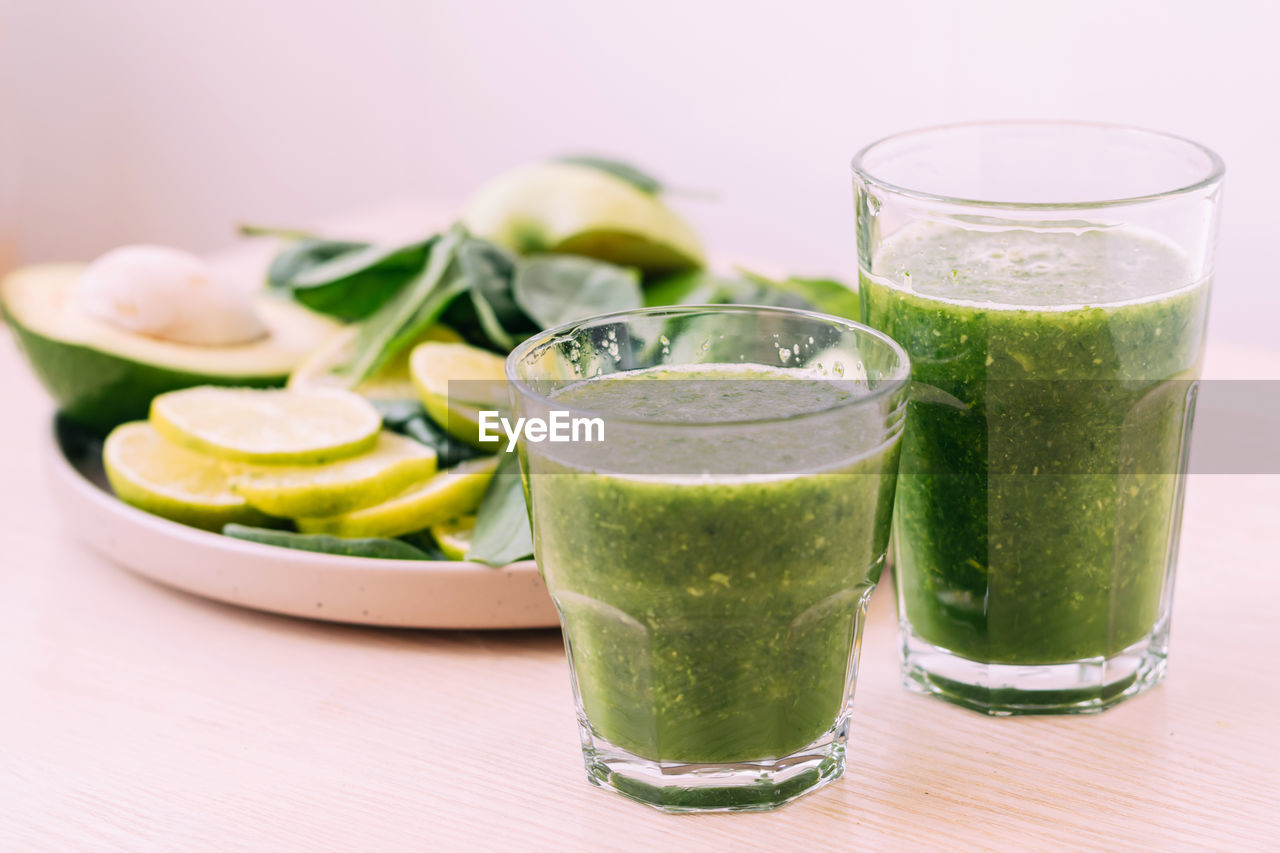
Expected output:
{"points": [[386, 549], [345, 279], [493, 309], [305, 254], [487, 319], [642, 181], [410, 311], [408, 418], [502, 533], [822, 294], [353, 300], [348, 267], [426, 543], [696, 287], [555, 289], [395, 413], [490, 268], [700, 287]]}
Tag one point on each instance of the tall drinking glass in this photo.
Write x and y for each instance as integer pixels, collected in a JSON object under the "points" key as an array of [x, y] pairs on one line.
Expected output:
{"points": [[1050, 282], [712, 557]]}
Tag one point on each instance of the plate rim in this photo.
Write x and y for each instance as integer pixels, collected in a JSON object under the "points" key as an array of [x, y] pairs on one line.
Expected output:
{"points": [[512, 602], [65, 469]]}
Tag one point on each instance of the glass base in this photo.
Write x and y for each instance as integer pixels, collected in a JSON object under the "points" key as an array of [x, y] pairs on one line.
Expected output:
{"points": [[1087, 686], [740, 786]]}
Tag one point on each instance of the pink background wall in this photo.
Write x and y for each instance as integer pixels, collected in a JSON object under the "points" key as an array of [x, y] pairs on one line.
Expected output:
{"points": [[170, 120]]}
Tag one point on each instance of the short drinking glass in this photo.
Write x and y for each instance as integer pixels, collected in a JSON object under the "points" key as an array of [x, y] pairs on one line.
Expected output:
{"points": [[712, 557]]}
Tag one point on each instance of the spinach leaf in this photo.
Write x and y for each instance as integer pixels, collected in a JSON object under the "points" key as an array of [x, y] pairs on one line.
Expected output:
{"points": [[408, 313], [757, 294], [490, 317], [642, 181], [697, 287], [349, 266], [700, 287], [827, 295], [351, 300], [487, 319], [555, 289], [305, 254], [490, 268], [345, 279], [395, 413], [387, 549], [822, 294], [426, 543], [408, 418], [502, 533]]}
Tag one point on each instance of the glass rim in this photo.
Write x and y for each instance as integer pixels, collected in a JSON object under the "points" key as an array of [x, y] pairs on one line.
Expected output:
{"points": [[893, 382], [1215, 171]]}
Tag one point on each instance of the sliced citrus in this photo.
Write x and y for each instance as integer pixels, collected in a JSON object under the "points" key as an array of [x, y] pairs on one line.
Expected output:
{"points": [[394, 464], [454, 537], [455, 382], [274, 426], [158, 476], [447, 495], [391, 382]]}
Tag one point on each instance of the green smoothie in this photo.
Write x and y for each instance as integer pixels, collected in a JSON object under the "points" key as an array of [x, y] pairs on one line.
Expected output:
{"points": [[710, 609], [1039, 496]]}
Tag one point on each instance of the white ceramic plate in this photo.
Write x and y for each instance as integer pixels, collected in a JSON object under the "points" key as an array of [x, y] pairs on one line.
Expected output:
{"points": [[363, 590]]}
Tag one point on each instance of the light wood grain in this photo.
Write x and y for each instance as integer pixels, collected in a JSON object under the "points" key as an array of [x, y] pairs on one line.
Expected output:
{"points": [[134, 717]]}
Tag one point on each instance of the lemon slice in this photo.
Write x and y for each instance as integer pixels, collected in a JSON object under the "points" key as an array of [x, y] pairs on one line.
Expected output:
{"points": [[447, 495], [479, 382], [164, 479], [454, 537], [391, 382], [394, 464], [276, 426]]}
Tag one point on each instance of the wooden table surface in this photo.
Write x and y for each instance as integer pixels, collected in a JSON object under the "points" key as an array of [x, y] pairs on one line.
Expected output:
{"points": [[135, 717]]}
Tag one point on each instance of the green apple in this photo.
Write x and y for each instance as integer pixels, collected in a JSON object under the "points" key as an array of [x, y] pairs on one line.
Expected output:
{"points": [[578, 209]]}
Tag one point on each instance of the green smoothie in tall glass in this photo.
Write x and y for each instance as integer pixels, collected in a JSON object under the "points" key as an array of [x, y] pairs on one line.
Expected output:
{"points": [[1038, 499]]}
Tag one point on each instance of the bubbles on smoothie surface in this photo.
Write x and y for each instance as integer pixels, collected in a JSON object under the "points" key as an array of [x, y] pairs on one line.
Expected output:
{"points": [[1031, 267], [711, 393]]}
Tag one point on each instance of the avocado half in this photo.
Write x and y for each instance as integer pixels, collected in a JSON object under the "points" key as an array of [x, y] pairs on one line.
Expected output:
{"points": [[101, 375]]}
